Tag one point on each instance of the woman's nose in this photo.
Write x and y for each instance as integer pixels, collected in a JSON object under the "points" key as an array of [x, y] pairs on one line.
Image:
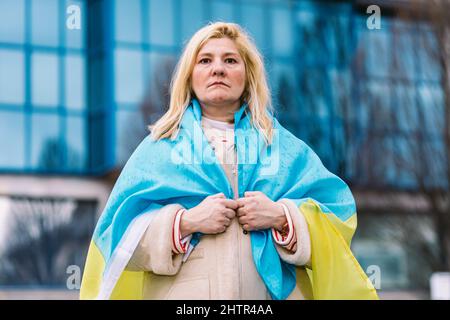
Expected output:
{"points": [[218, 69]]}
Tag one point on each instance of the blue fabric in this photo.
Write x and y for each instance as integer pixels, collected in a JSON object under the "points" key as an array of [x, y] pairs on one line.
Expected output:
{"points": [[185, 170]]}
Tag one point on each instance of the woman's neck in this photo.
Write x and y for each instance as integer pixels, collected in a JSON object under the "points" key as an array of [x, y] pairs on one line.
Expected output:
{"points": [[220, 113]]}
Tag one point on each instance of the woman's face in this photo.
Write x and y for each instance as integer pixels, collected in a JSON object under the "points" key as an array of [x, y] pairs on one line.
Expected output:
{"points": [[219, 76]]}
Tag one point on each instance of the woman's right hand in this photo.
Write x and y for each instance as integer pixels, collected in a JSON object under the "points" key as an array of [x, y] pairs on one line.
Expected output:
{"points": [[211, 216]]}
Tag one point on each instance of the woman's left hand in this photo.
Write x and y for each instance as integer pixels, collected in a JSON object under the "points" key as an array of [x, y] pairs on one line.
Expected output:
{"points": [[257, 212]]}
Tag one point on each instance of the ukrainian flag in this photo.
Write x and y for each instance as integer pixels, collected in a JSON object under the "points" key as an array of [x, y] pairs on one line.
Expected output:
{"points": [[288, 168]]}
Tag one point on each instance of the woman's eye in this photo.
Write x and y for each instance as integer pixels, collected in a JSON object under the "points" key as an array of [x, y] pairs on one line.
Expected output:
{"points": [[204, 60], [230, 60]]}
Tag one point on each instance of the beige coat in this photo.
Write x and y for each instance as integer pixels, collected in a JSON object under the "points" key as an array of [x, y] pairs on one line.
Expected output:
{"points": [[221, 266]]}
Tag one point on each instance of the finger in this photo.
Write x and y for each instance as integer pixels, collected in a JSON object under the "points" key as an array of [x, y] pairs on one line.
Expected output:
{"points": [[217, 195], [252, 193], [230, 213], [241, 202], [230, 203], [227, 222], [240, 212], [243, 220]]}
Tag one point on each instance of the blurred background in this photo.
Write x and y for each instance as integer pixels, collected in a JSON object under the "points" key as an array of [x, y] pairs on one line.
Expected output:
{"points": [[81, 80]]}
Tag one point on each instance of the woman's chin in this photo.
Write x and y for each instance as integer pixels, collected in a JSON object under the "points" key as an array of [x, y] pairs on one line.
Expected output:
{"points": [[220, 99]]}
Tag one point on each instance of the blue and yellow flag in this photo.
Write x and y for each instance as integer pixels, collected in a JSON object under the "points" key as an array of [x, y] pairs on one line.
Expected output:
{"points": [[185, 170]]}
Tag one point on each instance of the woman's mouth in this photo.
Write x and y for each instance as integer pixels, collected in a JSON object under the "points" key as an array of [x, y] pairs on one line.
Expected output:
{"points": [[218, 84]]}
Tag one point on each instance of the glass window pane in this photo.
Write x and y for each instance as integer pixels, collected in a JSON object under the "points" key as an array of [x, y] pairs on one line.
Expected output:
{"points": [[341, 89], [254, 23], [339, 39], [389, 256], [429, 51], [405, 54], [75, 37], [44, 19], [76, 143], [405, 154], [75, 81], [161, 22], [161, 68], [282, 31], [128, 76], [432, 109], [377, 51], [128, 20], [405, 116], [386, 168], [314, 89], [130, 130], [332, 38], [375, 111], [222, 11], [46, 149], [12, 21], [312, 42], [44, 78], [12, 139], [12, 76], [283, 86], [434, 170], [44, 236], [191, 18]]}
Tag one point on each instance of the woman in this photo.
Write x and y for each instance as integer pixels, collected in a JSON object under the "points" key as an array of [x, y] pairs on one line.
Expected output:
{"points": [[222, 202]]}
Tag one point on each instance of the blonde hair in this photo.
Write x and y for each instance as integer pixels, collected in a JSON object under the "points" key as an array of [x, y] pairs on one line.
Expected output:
{"points": [[256, 92]]}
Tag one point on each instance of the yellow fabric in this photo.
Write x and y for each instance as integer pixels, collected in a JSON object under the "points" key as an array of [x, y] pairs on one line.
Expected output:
{"points": [[128, 287], [92, 277], [335, 274]]}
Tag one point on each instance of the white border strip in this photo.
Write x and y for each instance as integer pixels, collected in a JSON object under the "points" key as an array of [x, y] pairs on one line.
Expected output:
{"points": [[122, 254]]}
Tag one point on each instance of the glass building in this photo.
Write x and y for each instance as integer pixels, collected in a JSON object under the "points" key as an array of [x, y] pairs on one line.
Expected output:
{"points": [[81, 80]]}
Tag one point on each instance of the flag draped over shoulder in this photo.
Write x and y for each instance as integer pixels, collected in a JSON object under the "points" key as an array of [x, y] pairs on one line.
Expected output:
{"points": [[185, 170]]}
